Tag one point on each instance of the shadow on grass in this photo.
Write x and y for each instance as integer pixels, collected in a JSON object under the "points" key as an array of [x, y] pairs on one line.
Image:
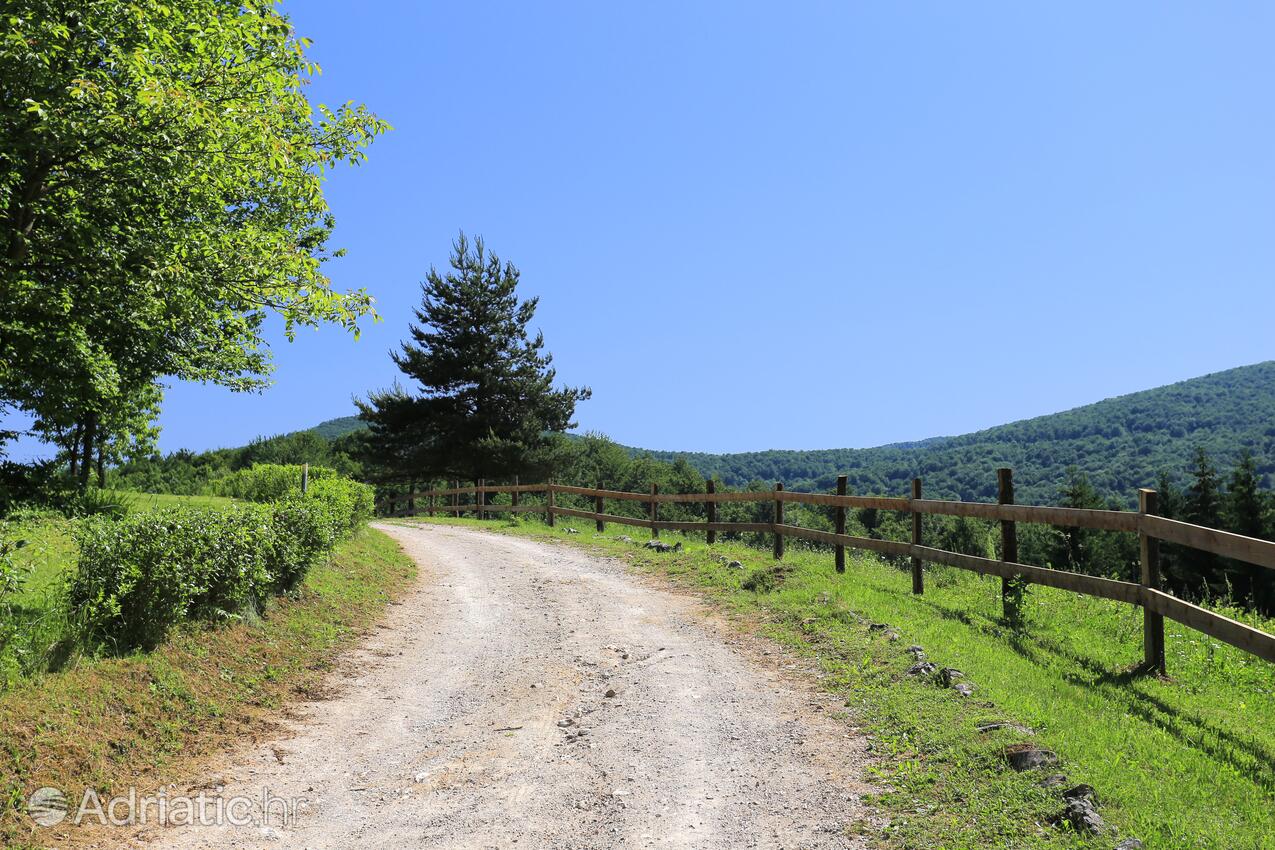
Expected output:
{"points": [[1252, 759]]}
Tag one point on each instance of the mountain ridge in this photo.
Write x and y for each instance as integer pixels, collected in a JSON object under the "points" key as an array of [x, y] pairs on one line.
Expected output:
{"points": [[1121, 443]]}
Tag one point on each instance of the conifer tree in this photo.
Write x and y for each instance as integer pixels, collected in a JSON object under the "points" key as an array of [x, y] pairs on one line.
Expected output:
{"points": [[1245, 508], [1245, 513], [484, 405], [1202, 505]]}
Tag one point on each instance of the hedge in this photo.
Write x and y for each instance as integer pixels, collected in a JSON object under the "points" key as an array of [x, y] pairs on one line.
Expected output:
{"points": [[139, 576], [269, 482]]}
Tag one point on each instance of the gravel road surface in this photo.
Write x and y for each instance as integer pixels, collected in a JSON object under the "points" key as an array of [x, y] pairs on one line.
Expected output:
{"points": [[528, 695]]}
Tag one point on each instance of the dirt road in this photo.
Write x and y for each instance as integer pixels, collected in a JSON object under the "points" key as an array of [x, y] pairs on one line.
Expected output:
{"points": [[527, 695]]}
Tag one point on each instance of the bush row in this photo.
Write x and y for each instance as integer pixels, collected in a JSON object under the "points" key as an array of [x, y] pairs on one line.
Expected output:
{"points": [[269, 482], [140, 575]]}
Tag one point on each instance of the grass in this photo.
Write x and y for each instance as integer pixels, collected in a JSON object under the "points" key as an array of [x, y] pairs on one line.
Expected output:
{"points": [[47, 557], [142, 719], [1183, 762], [155, 501], [49, 554]]}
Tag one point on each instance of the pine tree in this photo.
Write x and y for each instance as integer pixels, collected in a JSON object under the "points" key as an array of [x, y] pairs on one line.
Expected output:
{"points": [[1202, 505], [1075, 544], [1203, 502], [1245, 507], [1245, 512], [486, 402]]}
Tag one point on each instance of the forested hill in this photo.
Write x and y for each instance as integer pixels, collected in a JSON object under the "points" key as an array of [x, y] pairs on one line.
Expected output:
{"points": [[1122, 444], [334, 428]]}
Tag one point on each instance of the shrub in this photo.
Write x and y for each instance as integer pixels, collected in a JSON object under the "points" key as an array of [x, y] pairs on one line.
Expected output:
{"points": [[348, 503], [302, 533], [94, 501], [140, 575], [136, 577], [269, 482]]}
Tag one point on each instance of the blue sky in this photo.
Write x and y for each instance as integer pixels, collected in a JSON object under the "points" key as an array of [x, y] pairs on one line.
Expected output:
{"points": [[802, 225]]}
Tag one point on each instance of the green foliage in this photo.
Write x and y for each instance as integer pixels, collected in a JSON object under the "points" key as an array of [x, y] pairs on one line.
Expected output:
{"points": [[1120, 445], [190, 473], [348, 503], [95, 501], [267, 482], [485, 401], [12, 579], [334, 429], [140, 575], [161, 179]]}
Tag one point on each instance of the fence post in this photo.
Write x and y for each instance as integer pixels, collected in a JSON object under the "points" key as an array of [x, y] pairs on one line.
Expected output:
{"points": [[711, 506], [779, 521], [305, 478], [549, 502], [1009, 536], [513, 497], [432, 497], [655, 509], [598, 506], [918, 576], [839, 524], [1152, 623], [411, 498], [453, 500], [478, 498]]}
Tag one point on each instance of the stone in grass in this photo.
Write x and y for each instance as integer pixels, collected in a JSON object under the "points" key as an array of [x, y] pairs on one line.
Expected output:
{"points": [[1029, 757], [624, 538], [1082, 816], [1129, 844], [1081, 792], [964, 689], [917, 652], [661, 546], [949, 675], [1053, 780], [921, 668], [572, 530], [734, 565]]}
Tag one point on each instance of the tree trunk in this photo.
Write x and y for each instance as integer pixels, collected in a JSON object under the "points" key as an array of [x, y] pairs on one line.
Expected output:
{"points": [[86, 458], [74, 450], [101, 464]]}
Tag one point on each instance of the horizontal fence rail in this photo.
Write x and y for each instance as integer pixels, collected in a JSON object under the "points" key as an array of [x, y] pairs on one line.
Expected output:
{"points": [[1150, 527]]}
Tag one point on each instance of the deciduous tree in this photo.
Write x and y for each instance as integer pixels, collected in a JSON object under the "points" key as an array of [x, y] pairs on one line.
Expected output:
{"points": [[160, 194]]}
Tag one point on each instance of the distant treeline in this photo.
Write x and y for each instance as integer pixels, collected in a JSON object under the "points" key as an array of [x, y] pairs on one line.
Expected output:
{"points": [[187, 473], [1120, 445]]}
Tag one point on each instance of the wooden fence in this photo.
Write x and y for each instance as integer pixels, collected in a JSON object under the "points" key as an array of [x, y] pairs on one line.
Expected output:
{"points": [[1150, 528]]}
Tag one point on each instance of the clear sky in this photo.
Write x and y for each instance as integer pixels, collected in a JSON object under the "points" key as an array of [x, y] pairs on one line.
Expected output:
{"points": [[804, 225]]}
